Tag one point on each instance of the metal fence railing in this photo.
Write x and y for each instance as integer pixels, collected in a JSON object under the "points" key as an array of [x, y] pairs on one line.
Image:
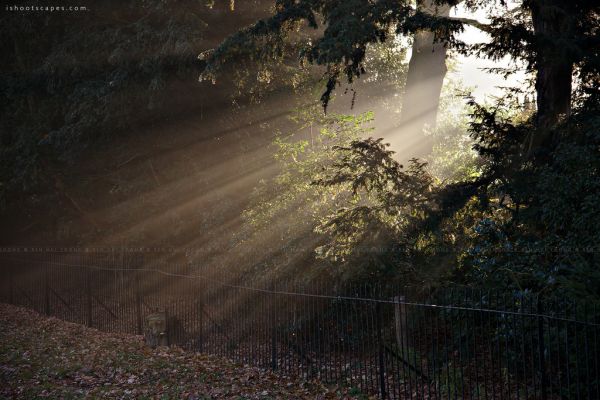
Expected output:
{"points": [[390, 342]]}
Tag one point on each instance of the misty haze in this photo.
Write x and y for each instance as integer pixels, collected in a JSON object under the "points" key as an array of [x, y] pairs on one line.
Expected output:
{"points": [[308, 199]]}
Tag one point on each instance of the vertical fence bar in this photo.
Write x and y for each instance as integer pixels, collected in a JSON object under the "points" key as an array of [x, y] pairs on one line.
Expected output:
{"points": [[200, 318], [273, 347], [381, 355], [318, 332], [273, 335], [427, 317], [46, 287], [507, 334], [88, 291], [373, 346], [337, 345], [577, 358], [541, 350], [415, 342], [437, 367], [138, 301], [558, 351], [467, 302], [514, 346], [265, 331], [11, 283], [587, 352], [522, 328], [567, 353], [595, 321]]}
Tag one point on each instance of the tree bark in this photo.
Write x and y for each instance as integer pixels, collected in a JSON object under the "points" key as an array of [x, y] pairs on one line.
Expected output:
{"points": [[554, 67], [426, 72]]}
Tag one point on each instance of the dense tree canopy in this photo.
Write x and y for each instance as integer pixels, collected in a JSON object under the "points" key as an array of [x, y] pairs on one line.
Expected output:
{"points": [[93, 77], [553, 38], [523, 219], [517, 210]]}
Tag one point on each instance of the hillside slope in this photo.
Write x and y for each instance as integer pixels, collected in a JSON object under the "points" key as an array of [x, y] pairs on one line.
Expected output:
{"points": [[48, 358]]}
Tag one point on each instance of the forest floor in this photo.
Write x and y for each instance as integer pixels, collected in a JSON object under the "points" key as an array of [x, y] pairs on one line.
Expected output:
{"points": [[44, 357]]}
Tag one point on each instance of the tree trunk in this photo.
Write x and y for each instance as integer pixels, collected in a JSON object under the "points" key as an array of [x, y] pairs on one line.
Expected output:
{"points": [[400, 325], [426, 72], [554, 67]]}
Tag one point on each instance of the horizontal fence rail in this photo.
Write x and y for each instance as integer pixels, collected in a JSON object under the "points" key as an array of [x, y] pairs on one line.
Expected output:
{"points": [[391, 342]]}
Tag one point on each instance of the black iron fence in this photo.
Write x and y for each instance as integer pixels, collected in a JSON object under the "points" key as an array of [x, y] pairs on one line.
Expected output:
{"points": [[392, 342]]}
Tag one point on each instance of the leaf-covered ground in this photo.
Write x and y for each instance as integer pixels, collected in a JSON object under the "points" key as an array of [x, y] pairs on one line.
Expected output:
{"points": [[44, 357]]}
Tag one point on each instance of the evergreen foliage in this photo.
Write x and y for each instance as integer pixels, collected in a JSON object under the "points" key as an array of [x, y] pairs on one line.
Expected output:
{"points": [[524, 217]]}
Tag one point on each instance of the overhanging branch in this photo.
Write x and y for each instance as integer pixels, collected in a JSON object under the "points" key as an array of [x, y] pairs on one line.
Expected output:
{"points": [[473, 22]]}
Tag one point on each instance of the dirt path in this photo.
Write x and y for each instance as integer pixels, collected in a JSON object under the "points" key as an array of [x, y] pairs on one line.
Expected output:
{"points": [[48, 358]]}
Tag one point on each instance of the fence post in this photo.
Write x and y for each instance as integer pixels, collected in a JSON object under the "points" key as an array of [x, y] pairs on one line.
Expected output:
{"points": [[88, 290], [380, 349], [400, 323], [541, 349]]}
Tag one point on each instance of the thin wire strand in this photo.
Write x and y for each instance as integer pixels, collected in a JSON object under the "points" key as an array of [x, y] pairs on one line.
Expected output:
{"points": [[321, 296]]}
